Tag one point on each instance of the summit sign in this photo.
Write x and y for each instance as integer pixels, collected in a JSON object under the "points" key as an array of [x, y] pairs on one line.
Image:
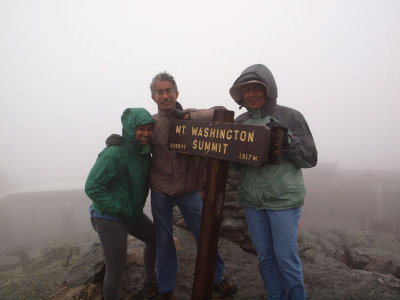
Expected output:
{"points": [[248, 144]]}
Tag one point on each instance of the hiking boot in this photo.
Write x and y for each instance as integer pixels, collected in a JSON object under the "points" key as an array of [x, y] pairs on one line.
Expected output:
{"points": [[167, 296], [150, 289], [226, 287]]}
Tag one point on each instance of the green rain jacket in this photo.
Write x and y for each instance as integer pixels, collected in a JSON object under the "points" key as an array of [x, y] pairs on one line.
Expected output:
{"points": [[278, 186], [117, 184]]}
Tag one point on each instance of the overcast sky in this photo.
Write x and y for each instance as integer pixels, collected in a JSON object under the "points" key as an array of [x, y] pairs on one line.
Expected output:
{"points": [[69, 68]]}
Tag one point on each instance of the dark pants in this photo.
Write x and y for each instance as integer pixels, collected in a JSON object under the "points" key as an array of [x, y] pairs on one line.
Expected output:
{"points": [[113, 237]]}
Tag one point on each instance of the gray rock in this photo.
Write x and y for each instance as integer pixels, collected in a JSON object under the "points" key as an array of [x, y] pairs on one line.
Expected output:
{"points": [[357, 239], [374, 260], [230, 199], [233, 224], [239, 214], [247, 245], [386, 242], [88, 268], [233, 235], [327, 278], [232, 204]]}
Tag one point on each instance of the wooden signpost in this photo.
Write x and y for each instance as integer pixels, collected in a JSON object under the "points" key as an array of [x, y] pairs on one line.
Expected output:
{"points": [[247, 144], [221, 141]]}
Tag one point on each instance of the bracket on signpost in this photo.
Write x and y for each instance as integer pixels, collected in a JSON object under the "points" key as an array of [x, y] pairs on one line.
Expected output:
{"points": [[221, 141]]}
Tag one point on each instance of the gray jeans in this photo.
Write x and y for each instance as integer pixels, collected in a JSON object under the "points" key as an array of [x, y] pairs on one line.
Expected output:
{"points": [[113, 237]]}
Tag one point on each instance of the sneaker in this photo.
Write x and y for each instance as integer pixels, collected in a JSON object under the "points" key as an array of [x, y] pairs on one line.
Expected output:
{"points": [[150, 289], [226, 287]]}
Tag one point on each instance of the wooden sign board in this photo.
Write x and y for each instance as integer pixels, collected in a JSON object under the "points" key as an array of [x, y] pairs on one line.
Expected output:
{"points": [[247, 144]]}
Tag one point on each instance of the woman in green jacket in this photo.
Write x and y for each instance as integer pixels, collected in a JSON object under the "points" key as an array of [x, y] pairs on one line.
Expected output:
{"points": [[117, 184], [273, 194]]}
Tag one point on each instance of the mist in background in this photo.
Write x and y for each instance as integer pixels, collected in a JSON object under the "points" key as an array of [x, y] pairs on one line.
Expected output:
{"points": [[69, 68]]}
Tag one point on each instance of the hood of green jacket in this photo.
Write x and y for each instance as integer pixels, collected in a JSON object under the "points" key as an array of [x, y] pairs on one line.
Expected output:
{"points": [[130, 119]]}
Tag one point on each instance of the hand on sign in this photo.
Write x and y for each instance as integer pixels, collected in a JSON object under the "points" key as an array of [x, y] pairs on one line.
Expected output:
{"points": [[179, 114], [279, 126], [275, 125]]}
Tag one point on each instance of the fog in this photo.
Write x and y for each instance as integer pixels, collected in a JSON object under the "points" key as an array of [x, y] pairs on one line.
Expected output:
{"points": [[69, 68]]}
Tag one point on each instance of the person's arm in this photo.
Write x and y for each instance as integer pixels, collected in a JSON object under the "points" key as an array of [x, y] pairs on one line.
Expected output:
{"points": [[301, 148], [114, 140], [203, 114], [99, 178]]}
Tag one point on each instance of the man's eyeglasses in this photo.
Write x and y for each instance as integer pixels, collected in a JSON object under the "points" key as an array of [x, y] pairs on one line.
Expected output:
{"points": [[168, 91]]}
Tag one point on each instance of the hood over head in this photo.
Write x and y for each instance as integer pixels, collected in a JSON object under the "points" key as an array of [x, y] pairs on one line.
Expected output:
{"points": [[132, 118], [257, 73]]}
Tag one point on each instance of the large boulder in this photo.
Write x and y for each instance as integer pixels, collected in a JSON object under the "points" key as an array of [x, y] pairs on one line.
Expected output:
{"points": [[84, 280], [373, 260], [88, 268], [330, 279]]}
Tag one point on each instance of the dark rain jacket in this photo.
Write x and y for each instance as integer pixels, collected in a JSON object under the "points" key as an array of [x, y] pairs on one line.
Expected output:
{"points": [[278, 186], [117, 184]]}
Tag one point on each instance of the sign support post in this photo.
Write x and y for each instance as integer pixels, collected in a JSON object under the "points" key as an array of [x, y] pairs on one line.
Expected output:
{"points": [[211, 218]]}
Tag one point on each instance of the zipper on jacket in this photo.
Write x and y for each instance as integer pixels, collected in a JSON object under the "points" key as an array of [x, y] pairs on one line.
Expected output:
{"points": [[254, 182]]}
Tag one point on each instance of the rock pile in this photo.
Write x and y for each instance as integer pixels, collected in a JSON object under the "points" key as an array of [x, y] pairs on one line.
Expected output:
{"points": [[337, 264], [84, 279], [335, 267]]}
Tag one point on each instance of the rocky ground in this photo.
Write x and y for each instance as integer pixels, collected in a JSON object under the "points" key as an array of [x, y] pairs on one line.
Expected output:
{"points": [[337, 265]]}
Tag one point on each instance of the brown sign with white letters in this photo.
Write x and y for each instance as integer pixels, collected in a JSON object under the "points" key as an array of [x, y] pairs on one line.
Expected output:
{"points": [[247, 144]]}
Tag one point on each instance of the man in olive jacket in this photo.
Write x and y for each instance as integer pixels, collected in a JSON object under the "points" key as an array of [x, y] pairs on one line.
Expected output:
{"points": [[273, 194]]}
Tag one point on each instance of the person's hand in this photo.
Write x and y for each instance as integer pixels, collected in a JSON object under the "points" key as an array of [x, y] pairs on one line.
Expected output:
{"points": [[279, 126], [114, 140], [179, 114], [276, 125]]}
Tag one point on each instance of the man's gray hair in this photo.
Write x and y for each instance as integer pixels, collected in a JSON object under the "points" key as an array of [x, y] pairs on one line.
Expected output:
{"points": [[163, 76]]}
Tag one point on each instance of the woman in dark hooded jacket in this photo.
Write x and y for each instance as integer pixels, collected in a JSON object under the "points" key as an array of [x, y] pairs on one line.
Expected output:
{"points": [[118, 186], [273, 194]]}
